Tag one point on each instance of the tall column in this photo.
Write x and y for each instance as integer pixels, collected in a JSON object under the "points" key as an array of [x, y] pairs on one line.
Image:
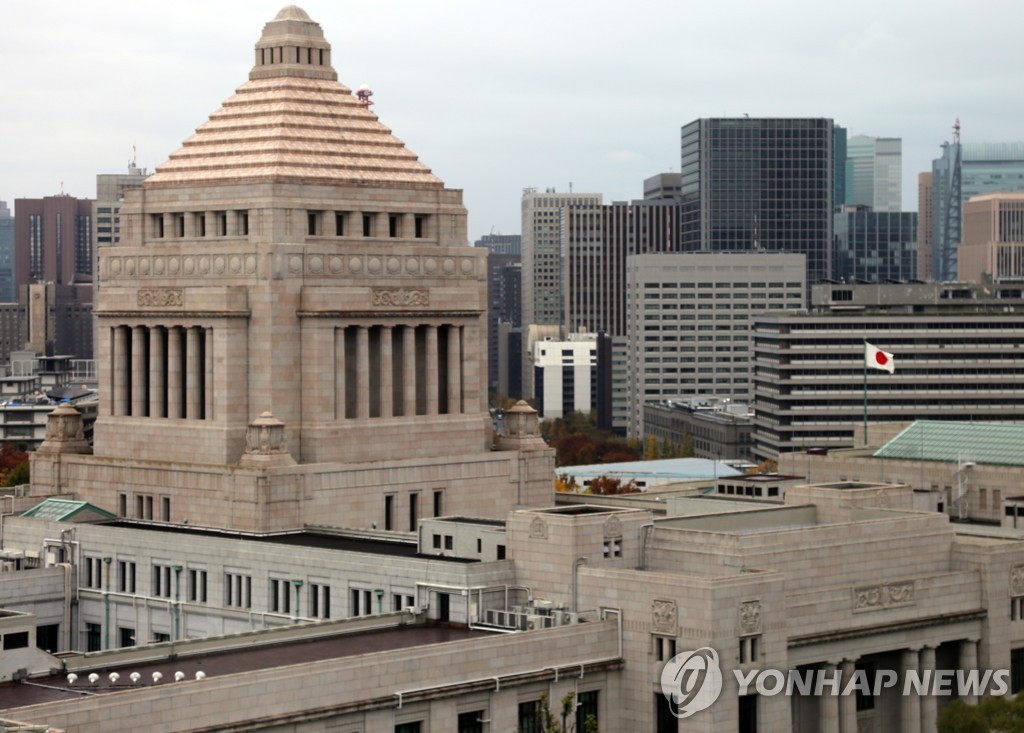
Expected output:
{"points": [[174, 372], [140, 398], [431, 370], [409, 370], [363, 372], [829, 701], [193, 373], [848, 703], [339, 373], [387, 408], [157, 361], [968, 662], [454, 370], [121, 381], [910, 715], [208, 388], [929, 704]]}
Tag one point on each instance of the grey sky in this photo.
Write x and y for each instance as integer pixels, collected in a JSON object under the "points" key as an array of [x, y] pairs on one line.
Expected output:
{"points": [[497, 97]]}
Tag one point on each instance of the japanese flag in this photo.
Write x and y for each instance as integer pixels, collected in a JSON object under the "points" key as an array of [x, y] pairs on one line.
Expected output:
{"points": [[875, 358]]}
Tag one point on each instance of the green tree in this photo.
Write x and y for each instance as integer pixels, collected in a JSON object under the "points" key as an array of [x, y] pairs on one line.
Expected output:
{"points": [[651, 451], [1002, 714], [17, 476], [565, 720], [686, 447]]}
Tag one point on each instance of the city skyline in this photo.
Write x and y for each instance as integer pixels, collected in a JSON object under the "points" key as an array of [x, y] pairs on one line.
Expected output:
{"points": [[494, 104]]}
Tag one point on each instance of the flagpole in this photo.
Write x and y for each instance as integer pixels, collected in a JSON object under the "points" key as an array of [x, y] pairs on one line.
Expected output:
{"points": [[865, 360]]}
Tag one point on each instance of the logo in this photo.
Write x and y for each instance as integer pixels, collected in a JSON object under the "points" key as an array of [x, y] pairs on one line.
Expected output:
{"points": [[692, 681]]}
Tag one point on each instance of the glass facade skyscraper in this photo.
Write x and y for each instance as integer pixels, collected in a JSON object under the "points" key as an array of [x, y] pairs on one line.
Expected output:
{"points": [[759, 184], [983, 168], [875, 246]]}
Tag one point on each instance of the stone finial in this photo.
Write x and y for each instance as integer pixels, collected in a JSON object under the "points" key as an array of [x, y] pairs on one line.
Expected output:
{"points": [[65, 432], [265, 443], [522, 429]]}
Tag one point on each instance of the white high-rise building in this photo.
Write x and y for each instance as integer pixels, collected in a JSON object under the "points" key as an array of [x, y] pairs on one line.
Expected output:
{"points": [[543, 253]]}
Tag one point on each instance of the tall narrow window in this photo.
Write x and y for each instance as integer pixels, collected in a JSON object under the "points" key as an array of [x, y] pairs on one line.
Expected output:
{"points": [[389, 511], [414, 511], [367, 225]]}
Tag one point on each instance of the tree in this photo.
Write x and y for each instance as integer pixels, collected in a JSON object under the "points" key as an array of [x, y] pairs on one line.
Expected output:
{"points": [[566, 484], [607, 486], [651, 451], [13, 465], [1002, 714], [686, 447], [565, 720]]}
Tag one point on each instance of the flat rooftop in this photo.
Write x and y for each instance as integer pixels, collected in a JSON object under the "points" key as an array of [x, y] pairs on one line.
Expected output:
{"points": [[312, 648], [303, 538]]}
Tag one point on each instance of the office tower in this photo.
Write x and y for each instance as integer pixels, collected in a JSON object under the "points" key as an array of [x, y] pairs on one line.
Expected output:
{"points": [[52, 240], [874, 170], [955, 352], [965, 170], [839, 163], [663, 186], [504, 305], [874, 246], [689, 319], [501, 244], [925, 224], [6, 254], [543, 225], [992, 250], [760, 184]]}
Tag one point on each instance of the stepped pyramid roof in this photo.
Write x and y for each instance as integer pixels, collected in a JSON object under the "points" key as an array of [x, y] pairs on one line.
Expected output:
{"points": [[293, 122]]}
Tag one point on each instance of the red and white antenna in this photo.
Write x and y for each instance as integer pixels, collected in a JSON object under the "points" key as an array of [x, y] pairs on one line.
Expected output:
{"points": [[364, 93]]}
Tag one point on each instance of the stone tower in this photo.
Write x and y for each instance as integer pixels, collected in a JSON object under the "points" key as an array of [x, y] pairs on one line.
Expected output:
{"points": [[294, 258]]}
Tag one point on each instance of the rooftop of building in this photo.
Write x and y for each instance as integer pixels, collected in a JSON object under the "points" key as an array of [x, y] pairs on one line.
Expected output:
{"points": [[668, 468], [292, 121], [966, 443], [227, 655], [322, 538]]}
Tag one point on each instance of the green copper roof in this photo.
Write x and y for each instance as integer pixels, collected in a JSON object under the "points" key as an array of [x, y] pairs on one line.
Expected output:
{"points": [[66, 510], [997, 444]]}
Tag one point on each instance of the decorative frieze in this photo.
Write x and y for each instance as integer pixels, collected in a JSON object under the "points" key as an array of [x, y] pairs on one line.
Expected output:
{"points": [[883, 595], [400, 297], [612, 528], [538, 529], [161, 298], [233, 264]]}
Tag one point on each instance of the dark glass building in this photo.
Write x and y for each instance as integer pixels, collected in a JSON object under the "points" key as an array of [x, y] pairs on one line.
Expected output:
{"points": [[759, 184], [875, 246]]}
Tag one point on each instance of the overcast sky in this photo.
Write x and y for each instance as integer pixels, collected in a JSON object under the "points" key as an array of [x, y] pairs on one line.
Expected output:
{"points": [[496, 97]]}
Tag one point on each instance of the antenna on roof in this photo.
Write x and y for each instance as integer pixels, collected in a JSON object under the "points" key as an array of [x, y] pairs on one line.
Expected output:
{"points": [[364, 93]]}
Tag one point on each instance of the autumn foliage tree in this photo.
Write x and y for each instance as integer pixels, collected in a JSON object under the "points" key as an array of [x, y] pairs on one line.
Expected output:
{"points": [[608, 486], [578, 442], [13, 465]]}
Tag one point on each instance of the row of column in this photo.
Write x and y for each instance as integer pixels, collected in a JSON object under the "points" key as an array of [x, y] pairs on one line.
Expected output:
{"points": [[162, 371], [390, 371], [918, 713]]}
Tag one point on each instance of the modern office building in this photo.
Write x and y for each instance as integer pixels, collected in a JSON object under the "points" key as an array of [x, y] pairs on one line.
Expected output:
{"points": [[663, 186], [873, 246], [53, 240], [56, 319], [565, 375], [839, 137], [501, 244], [992, 250], [965, 170], [760, 184], [543, 228], [6, 254], [956, 353], [504, 305], [925, 227], [874, 173], [689, 318]]}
